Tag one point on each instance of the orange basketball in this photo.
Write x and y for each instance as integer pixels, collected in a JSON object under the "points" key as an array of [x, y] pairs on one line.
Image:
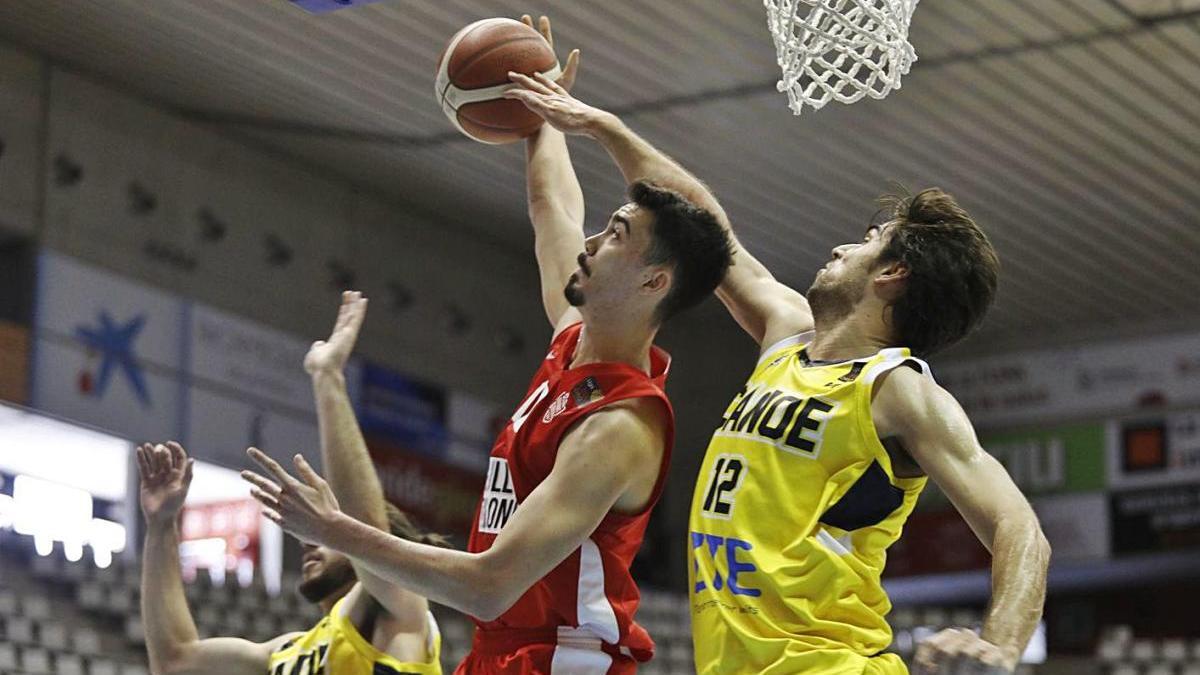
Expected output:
{"points": [[472, 75]]}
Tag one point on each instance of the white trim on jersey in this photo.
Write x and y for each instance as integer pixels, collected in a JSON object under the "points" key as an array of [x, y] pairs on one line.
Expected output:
{"points": [[790, 341], [576, 661], [595, 613], [892, 357]]}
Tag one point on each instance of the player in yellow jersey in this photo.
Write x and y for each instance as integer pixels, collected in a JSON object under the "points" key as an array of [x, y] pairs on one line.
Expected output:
{"points": [[370, 627], [819, 459]]}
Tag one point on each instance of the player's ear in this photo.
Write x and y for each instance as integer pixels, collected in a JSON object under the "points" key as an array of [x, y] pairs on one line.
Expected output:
{"points": [[892, 278], [658, 280]]}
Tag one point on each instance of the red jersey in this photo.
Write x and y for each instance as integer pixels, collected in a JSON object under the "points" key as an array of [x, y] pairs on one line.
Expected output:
{"points": [[590, 598]]}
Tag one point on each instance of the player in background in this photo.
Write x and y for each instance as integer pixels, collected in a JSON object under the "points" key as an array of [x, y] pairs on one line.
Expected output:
{"points": [[820, 459], [370, 627], [573, 475]]}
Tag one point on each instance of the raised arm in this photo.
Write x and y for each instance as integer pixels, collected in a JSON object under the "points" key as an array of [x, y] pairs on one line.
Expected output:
{"points": [[765, 308], [347, 462], [172, 643], [555, 203], [933, 428], [601, 463]]}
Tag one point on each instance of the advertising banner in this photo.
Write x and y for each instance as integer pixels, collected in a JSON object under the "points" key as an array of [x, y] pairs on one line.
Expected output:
{"points": [[1158, 450], [14, 362], [400, 411], [1156, 519], [440, 497], [107, 351], [1095, 380]]}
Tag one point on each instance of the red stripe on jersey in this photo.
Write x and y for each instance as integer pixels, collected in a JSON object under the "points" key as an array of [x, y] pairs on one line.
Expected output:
{"points": [[591, 593]]}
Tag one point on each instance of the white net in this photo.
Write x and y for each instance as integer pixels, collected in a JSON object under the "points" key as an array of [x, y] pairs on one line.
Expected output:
{"points": [[840, 49]]}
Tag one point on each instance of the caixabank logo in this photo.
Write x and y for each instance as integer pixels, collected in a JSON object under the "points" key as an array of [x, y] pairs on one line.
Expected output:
{"points": [[110, 351]]}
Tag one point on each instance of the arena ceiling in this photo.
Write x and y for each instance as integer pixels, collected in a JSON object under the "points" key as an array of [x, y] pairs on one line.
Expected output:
{"points": [[1070, 128]]}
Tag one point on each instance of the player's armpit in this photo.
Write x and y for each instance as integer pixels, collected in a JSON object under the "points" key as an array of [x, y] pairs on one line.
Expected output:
{"points": [[605, 461], [234, 656]]}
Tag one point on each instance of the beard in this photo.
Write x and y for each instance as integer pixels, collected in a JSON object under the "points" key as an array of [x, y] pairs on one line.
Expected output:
{"points": [[335, 576], [572, 292], [831, 301]]}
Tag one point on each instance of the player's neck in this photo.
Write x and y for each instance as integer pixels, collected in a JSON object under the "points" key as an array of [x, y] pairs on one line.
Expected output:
{"points": [[330, 600], [607, 343], [848, 337]]}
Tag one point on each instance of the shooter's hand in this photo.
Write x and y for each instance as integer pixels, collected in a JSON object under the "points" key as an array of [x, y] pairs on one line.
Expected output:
{"points": [[554, 104], [959, 650], [306, 509], [567, 79], [166, 475], [331, 355]]}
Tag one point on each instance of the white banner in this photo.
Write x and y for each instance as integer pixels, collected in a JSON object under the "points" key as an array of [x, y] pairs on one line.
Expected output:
{"points": [[1094, 380], [248, 358], [473, 427], [107, 351]]}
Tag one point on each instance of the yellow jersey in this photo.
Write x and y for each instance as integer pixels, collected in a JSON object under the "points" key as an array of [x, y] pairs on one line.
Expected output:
{"points": [[794, 508], [335, 647]]}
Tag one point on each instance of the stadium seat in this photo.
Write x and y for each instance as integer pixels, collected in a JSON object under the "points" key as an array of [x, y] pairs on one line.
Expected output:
{"points": [[86, 641], [35, 607], [1175, 650], [9, 604], [1144, 651], [1125, 669], [68, 664], [90, 597], [36, 661], [54, 635], [20, 630], [102, 667], [8, 656], [134, 631], [1190, 669], [134, 669]]}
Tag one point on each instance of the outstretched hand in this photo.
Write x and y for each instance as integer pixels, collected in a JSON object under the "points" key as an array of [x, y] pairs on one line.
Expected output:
{"points": [[166, 474], [331, 355], [305, 509], [567, 79], [551, 99]]}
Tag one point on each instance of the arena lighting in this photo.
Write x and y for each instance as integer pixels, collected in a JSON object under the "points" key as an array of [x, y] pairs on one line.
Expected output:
{"points": [[51, 512], [44, 447]]}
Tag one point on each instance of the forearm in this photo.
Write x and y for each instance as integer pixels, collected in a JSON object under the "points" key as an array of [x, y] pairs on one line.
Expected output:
{"points": [[550, 179], [1020, 558], [346, 460], [168, 623], [453, 578]]}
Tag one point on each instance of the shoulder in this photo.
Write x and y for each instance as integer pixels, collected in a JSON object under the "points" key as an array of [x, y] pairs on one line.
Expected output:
{"points": [[910, 405], [631, 427]]}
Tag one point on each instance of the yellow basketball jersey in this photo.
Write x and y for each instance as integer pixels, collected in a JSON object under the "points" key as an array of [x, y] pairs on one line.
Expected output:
{"points": [[794, 508], [335, 647]]}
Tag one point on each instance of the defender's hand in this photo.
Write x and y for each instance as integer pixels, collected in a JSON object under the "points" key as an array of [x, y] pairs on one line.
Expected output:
{"points": [[554, 104], [331, 355], [956, 651], [567, 79], [306, 509], [166, 475]]}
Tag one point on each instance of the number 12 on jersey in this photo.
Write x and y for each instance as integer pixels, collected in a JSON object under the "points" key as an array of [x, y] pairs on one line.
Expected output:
{"points": [[727, 474]]}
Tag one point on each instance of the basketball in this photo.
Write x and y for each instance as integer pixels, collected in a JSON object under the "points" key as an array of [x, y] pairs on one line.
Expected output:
{"points": [[472, 75]]}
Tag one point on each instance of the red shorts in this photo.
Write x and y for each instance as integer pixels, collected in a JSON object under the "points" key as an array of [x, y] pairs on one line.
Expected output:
{"points": [[535, 653]]}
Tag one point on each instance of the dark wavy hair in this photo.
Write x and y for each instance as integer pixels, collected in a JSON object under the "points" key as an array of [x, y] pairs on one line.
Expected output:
{"points": [[688, 238], [400, 525], [953, 269]]}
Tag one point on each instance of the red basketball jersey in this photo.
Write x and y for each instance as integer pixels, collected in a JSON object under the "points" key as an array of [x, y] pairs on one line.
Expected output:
{"points": [[590, 596]]}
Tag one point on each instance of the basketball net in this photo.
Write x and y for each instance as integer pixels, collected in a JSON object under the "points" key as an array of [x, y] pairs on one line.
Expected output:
{"points": [[840, 49]]}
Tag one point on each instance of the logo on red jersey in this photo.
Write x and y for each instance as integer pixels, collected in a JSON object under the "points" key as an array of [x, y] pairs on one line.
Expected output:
{"points": [[499, 497], [587, 391], [556, 408]]}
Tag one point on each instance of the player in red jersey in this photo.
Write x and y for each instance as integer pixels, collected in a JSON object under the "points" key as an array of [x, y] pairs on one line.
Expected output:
{"points": [[574, 474]]}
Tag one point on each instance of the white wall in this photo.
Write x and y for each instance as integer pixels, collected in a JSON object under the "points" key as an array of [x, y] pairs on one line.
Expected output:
{"points": [[118, 140], [20, 122]]}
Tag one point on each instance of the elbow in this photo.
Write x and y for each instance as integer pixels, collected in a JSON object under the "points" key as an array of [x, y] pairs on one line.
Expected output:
{"points": [[493, 594]]}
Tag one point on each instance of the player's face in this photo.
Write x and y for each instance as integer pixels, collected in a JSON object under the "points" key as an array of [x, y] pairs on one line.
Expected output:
{"points": [[612, 268], [323, 571], [841, 283]]}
